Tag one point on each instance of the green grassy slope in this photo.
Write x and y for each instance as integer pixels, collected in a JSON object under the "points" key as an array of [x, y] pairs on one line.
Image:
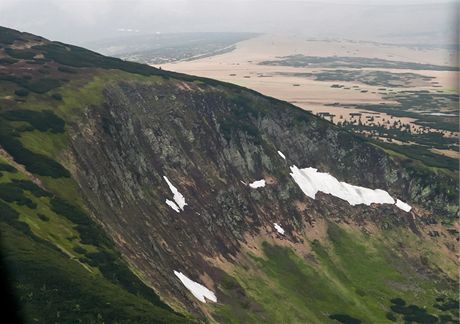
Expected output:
{"points": [[62, 265], [53, 288], [348, 278]]}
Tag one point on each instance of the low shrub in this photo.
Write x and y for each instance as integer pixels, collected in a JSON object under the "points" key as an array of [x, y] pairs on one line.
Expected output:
{"points": [[66, 69], [31, 187], [11, 193], [20, 54], [40, 86], [89, 233], [10, 216], [21, 92], [43, 217], [7, 60], [7, 168], [41, 120], [345, 319], [56, 96], [33, 162]]}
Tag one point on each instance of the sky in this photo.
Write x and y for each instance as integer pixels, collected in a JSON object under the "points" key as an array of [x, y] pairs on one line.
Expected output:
{"points": [[82, 21]]}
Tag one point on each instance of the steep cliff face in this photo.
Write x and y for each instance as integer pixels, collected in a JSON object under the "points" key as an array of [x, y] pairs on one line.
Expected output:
{"points": [[211, 142], [167, 165]]}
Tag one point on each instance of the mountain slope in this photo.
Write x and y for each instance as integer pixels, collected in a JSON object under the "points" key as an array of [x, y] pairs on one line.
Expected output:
{"points": [[156, 166]]}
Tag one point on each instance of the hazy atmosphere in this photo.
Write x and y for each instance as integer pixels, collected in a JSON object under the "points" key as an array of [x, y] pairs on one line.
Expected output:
{"points": [[224, 161], [415, 21]]}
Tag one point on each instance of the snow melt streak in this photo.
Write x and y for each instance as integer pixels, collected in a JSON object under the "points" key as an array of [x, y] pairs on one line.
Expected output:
{"points": [[199, 291], [178, 198], [311, 181]]}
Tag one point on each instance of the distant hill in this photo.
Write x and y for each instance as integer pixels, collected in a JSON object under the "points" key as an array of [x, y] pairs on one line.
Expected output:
{"points": [[163, 48]]}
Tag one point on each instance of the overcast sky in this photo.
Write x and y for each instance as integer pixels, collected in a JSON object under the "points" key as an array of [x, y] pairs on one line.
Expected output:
{"points": [[81, 21]]}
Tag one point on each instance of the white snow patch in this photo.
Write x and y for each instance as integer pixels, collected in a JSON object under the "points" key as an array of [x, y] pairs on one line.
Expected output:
{"points": [[442, 114], [282, 155], [199, 291], [257, 184], [178, 198], [311, 181], [173, 205], [402, 205], [278, 228]]}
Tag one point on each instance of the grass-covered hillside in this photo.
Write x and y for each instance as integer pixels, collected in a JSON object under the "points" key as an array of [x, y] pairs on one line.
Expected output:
{"points": [[88, 234], [60, 264]]}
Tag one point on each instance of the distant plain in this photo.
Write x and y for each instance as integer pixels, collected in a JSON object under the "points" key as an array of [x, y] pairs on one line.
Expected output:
{"points": [[397, 94]]}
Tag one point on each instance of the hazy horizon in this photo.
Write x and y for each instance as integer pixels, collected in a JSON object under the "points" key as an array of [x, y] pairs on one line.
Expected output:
{"points": [[80, 22]]}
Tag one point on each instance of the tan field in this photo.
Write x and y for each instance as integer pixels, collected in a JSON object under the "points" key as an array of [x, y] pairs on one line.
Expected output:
{"points": [[241, 67]]}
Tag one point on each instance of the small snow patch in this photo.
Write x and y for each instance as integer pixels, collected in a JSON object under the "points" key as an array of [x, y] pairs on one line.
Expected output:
{"points": [[173, 205], [278, 228], [402, 205], [282, 155], [199, 291], [178, 198], [257, 184]]}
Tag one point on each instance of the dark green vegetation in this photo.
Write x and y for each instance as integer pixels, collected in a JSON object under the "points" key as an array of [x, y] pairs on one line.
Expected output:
{"points": [[21, 92], [373, 78], [420, 144], [86, 231], [42, 121], [40, 86], [300, 60], [9, 192], [7, 167], [436, 112], [53, 288], [345, 319], [35, 120]]}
